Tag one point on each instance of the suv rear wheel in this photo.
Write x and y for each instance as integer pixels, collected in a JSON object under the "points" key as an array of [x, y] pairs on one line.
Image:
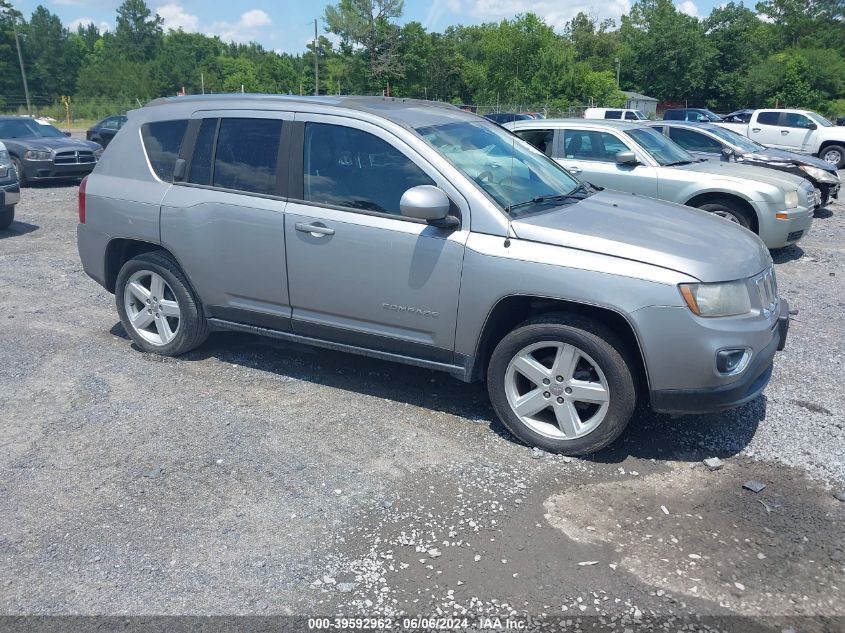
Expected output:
{"points": [[157, 307], [834, 154], [561, 383]]}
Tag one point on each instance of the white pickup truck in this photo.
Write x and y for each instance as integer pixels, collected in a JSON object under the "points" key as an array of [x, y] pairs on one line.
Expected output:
{"points": [[797, 130]]}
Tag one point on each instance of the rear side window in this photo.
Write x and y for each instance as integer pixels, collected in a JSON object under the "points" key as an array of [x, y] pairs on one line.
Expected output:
{"points": [[246, 155], [162, 142], [694, 141], [613, 114], [347, 167], [541, 139], [200, 173], [768, 118]]}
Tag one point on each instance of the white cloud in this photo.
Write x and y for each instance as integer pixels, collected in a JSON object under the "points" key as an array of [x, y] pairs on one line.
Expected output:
{"points": [[103, 26], [688, 7], [72, 3], [248, 27], [175, 17], [555, 13]]}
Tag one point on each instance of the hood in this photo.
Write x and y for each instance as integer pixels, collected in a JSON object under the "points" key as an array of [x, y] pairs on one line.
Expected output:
{"points": [[57, 144], [739, 172], [647, 230], [782, 155]]}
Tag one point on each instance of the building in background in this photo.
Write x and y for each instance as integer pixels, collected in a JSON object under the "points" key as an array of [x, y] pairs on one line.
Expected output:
{"points": [[636, 101]]}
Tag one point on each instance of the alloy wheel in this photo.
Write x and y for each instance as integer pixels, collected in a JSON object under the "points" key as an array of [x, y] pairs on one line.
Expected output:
{"points": [[557, 390], [151, 307], [832, 156], [726, 215]]}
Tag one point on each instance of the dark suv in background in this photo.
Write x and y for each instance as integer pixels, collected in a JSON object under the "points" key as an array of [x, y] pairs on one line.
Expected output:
{"points": [[103, 131], [690, 114]]}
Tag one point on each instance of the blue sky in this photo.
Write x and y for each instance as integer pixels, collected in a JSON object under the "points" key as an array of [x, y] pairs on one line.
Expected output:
{"points": [[287, 26]]}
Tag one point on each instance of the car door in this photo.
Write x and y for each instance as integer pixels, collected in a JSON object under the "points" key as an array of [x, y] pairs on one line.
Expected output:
{"points": [[225, 219], [696, 143], [359, 272], [591, 155], [766, 128], [797, 131]]}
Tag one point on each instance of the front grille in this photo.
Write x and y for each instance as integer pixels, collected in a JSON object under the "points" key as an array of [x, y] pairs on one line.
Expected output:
{"points": [[74, 158], [767, 288], [794, 236]]}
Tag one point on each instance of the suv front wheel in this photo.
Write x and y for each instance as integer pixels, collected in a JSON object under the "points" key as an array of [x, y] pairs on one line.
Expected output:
{"points": [[157, 307], [561, 383]]}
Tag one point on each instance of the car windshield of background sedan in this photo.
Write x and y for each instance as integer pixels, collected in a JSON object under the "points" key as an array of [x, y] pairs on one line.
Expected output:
{"points": [[28, 128], [660, 148], [517, 176]]}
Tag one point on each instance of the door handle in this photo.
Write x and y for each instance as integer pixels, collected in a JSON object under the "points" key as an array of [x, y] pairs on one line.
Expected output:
{"points": [[574, 169], [755, 129], [784, 132], [316, 230]]}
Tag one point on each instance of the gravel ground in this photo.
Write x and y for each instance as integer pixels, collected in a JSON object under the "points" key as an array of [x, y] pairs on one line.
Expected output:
{"points": [[253, 477]]}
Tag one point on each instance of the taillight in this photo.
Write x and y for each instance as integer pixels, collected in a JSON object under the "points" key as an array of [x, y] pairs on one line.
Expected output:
{"points": [[82, 187]]}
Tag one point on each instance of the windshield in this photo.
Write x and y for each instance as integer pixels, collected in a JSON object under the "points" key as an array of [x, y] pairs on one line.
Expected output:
{"points": [[735, 138], [660, 148], [818, 118], [508, 169], [27, 128]]}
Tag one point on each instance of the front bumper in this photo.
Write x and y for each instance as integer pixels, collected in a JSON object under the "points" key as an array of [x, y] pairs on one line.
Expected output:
{"points": [[779, 232], [10, 193], [36, 170], [754, 380]]}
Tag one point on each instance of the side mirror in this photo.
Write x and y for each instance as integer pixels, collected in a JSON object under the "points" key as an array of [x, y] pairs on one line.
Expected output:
{"points": [[425, 202], [626, 158], [179, 170], [813, 126], [727, 153], [66, 133]]}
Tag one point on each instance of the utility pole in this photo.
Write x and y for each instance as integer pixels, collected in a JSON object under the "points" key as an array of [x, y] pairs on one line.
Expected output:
{"points": [[316, 64], [23, 71], [618, 65], [202, 82]]}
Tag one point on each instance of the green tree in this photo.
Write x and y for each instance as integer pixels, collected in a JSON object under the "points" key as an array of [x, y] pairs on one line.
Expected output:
{"points": [[138, 33], [53, 60]]}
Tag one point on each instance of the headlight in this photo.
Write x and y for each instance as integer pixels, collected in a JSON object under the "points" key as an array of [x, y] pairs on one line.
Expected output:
{"points": [[729, 298], [819, 174], [5, 161], [38, 154], [791, 198]]}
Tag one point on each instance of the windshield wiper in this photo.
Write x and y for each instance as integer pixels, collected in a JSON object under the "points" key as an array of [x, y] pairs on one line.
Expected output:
{"points": [[578, 193], [679, 162]]}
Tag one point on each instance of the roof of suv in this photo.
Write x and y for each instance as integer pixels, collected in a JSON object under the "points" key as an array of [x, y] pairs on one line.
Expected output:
{"points": [[407, 112], [614, 123]]}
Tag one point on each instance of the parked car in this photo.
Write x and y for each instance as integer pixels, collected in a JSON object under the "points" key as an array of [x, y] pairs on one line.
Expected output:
{"points": [[10, 193], [418, 233], [41, 152], [614, 113], [638, 159], [715, 143], [690, 114], [103, 131], [797, 130], [505, 117], [738, 116]]}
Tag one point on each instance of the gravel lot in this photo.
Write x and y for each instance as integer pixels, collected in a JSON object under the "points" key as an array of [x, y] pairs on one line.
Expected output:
{"points": [[257, 477]]}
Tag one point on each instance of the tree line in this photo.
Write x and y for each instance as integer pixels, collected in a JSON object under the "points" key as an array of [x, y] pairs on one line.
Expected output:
{"points": [[784, 52]]}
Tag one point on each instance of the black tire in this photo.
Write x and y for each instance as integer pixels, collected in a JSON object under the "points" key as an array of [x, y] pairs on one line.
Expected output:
{"points": [[840, 163], [601, 345], [193, 327], [7, 216], [728, 207], [16, 162]]}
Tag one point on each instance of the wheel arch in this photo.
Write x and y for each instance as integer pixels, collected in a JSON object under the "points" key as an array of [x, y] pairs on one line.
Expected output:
{"points": [[120, 250], [732, 197], [510, 311]]}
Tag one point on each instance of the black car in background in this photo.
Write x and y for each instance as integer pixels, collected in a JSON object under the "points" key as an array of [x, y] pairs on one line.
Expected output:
{"points": [[697, 115], [40, 151], [103, 131], [739, 116]]}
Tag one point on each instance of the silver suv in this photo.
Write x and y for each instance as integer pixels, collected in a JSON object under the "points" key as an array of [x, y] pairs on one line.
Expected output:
{"points": [[634, 158], [419, 233]]}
